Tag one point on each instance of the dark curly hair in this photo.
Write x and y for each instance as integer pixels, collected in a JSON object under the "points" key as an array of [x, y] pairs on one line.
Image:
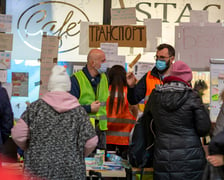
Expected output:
{"points": [[170, 48]]}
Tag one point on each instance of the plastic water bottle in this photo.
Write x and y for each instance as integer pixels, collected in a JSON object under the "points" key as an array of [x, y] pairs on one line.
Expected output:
{"points": [[114, 158], [118, 160]]}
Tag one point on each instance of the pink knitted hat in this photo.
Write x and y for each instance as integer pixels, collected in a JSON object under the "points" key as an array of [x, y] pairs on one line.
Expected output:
{"points": [[181, 70]]}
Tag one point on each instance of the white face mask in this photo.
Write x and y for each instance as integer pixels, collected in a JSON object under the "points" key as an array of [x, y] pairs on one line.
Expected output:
{"points": [[103, 68]]}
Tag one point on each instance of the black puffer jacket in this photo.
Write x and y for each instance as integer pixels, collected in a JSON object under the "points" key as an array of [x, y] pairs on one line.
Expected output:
{"points": [[6, 115], [180, 119]]}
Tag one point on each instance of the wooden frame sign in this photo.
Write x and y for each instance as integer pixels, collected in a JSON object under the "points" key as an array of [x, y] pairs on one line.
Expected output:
{"points": [[125, 36]]}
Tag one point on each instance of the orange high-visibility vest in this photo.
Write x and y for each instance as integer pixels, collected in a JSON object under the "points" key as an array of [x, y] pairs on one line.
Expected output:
{"points": [[151, 82], [119, 125]]}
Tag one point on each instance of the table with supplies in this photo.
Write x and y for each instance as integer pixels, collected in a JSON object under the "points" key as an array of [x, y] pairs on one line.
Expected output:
{"points": [[106, 169]]}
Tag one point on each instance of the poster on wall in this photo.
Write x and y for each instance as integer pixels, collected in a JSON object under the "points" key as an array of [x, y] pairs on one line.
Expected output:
{"points": [[6, 41], [141, 68], [49, 54], [8, 87], [77, 68], [153, 34], [111, 53], [32, 67], [84, 39], [216, 85], [198, 16], [5, 23], [123, 16], [20, 84], [115, 60], [196, 45], [110, 49], [5, 60], [3, 75]]}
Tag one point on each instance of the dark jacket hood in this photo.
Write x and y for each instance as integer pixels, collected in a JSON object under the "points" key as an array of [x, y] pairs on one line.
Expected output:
{"points": [[170, 100]]}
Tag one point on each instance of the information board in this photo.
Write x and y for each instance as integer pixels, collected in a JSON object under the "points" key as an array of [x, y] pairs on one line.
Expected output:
{"points": [[196, 45], [216, 85]]}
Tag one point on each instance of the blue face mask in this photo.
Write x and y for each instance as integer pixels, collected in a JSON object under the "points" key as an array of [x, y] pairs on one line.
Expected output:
{"points": [[161, 65], [103, 68]]}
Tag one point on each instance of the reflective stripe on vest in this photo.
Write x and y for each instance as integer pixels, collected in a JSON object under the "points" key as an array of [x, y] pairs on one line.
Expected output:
{"points": [[102, 117], [119, 120], [121, 124], [115, 133], [87, 96], [151, 82]]}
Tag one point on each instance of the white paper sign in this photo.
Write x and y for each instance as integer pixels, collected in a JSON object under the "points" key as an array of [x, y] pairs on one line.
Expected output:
{"points": [[124, 16], [5, 23], [20, 84], [196, 45], [49, 54], [77, 68], [84, 37], [3, 75], [141, 68], [153, 34], [197, 16], [216, 87], [8, 87], [6, 41], [5, 60], [115, 60], [110, 49]]}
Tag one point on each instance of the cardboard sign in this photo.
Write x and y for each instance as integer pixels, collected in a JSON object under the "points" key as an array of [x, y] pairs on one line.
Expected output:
{"points": [[49, 54], [6, 41], [125, 36]]}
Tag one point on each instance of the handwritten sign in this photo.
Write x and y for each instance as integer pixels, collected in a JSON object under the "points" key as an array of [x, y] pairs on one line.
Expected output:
{"points": [[198, 16], [109, 49], [216, 86], [196, 45], [84, 39], [8, 87], [125, 36], [5, 23], [115, 60], [154, 34], [6, 41], [141, 68], [49, 54], [20, 84], [123, 16], [5, 60], [3, 75], [111, 53]]}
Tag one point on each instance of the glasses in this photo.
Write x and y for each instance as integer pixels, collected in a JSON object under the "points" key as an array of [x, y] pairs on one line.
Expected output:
{"points": [[160, 57]]}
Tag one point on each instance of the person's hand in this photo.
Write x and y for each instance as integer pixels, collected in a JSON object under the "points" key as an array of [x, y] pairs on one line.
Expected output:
{"points": [[131, 79], [216, 160], [27, 103], [95, 106]]}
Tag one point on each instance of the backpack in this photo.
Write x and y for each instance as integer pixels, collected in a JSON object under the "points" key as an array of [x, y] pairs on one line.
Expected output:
{"points": [[140, 154]]}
